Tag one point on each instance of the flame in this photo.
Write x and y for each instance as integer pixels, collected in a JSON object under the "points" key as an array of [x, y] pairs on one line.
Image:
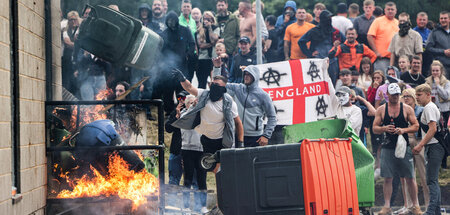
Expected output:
{"points": [[122, 182], [90, 113]]}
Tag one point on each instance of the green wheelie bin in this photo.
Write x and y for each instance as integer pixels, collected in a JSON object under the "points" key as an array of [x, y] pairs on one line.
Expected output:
{"points": [[340, 128]]}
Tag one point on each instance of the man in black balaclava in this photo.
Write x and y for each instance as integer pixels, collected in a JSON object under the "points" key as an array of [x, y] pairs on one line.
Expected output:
{"points": [[406, 42], [322, 38], [178, 46]]}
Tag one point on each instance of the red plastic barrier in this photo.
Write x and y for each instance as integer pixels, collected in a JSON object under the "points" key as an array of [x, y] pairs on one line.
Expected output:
{"points": [[329, 181]]}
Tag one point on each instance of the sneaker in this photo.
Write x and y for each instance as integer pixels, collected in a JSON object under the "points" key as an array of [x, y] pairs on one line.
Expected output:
{"points": [[402, 210], [415, 210], [204, 210], [377, 174], [385, 211]]}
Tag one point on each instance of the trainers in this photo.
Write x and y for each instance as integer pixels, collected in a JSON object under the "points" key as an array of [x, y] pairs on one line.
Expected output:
{"points": [[415, 210], [204, 210], [385, 211], [377, 174], [402, 210]]}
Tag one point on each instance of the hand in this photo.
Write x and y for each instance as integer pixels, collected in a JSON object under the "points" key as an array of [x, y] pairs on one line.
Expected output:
{"points": [[287, 18], [399, 131], [389, 129], [263, 141], [177, 74], [206, 23], [141, 88], [336, 43], [220, 40], [315, 53], [217, 62], [437, 80], [447, 52], [178, 109], [286, 58], [366, 130], [375, 85], [417, 149], [75, 74]]}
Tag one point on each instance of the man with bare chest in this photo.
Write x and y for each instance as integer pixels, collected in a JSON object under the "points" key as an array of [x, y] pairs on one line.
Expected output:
{"points": [[247, 25], [394, 119]]}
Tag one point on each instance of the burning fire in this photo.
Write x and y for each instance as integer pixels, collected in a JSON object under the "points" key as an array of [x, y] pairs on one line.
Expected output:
{"points": [[92, 112], [122, 182]]}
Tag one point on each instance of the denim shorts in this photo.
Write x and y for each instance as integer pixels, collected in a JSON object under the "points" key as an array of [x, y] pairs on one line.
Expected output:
{"points": [[391, 166]]}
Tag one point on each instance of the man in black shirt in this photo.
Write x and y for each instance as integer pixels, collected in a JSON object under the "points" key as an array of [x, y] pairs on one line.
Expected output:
{"points": [[414, 76], [393, 119]]}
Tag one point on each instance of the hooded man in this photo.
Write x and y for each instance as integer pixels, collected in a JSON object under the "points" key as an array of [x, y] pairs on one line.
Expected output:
{"points": [[246, 56], [145, 15], [322, 38], [253, 104], [283, 21], [215, 116], [178, 46]]}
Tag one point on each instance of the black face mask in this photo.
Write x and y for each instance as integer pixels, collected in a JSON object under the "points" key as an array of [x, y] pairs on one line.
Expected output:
{"points": [[216, 92], [404, 28]]}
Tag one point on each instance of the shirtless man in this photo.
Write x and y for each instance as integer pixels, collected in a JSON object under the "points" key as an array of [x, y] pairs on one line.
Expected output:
{"points": [[247, 25]]}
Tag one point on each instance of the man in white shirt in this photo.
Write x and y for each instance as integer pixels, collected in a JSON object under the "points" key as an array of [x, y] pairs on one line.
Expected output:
{"points": [[340, 21], [434, 151], [347, 111]]}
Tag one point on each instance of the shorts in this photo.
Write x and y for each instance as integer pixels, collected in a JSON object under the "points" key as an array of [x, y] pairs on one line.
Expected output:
{"points": [[391, 166]]}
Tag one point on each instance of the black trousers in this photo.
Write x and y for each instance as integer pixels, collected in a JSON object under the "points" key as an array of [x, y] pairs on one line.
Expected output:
{"points": [[211, 145]]}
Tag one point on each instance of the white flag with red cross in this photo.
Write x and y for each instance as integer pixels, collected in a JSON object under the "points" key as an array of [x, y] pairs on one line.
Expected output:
{"points": [[300, 90]]}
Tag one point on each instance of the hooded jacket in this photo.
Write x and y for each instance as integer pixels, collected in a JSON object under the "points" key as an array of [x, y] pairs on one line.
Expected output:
{"points": [[178, 44], [438, 42], [236, 74], [280, 19], [321, 37], [149, 22], [253, 105]]}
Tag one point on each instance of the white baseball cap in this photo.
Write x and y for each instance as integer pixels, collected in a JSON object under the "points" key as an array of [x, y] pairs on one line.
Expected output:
{"points": [[393, 89]]}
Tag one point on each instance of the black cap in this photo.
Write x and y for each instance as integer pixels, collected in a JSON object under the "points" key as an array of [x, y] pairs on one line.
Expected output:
{"points": [[244, 39], [341, 8], [182, 94]]}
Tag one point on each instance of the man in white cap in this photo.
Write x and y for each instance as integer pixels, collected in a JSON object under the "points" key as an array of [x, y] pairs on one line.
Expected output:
{"points": [[347, 111], [393, 119]]}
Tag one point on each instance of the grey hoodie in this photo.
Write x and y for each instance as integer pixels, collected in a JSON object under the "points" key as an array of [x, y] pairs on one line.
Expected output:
{"points": [[253, 104]]}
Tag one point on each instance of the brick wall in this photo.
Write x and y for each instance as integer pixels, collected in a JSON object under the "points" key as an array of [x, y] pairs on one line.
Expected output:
{"points": [[32, 96]]}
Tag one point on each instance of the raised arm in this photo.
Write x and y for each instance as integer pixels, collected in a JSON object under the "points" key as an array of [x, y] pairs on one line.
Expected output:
{"points": [[178, 75]]}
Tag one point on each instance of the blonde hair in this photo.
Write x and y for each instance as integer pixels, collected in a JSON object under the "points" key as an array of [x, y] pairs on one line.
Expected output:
{"points": [[411, 92], [219, 45], [201, 29], [369, 2], [423, 88], [73, 13], [438, 63]]}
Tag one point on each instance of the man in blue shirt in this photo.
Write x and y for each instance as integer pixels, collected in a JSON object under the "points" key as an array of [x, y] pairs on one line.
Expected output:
{"points": [[421, 28]]}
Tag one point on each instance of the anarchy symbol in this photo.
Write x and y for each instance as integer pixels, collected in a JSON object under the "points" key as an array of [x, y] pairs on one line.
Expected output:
{"points": [[321, 106], [278, 110], [272, 76], [313, 71]]}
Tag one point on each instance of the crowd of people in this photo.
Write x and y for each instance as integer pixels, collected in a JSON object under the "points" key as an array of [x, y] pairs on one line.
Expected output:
{"points": [[391, 80]]}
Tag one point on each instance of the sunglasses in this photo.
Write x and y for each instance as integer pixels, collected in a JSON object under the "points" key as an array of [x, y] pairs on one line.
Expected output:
{"points": [[181, 99]]}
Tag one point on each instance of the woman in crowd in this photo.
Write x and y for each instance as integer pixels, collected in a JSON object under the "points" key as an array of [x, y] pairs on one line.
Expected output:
{"points": [[403, 64], [206, 38], [440, 89], [365, 74], [378, 79]]}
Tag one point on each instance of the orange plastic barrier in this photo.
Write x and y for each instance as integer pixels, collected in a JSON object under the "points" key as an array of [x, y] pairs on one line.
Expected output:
{"points": [[329, 181]]}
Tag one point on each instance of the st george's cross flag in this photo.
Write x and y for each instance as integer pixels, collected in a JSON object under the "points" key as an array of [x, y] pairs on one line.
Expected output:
{"points": [[300, 90]]}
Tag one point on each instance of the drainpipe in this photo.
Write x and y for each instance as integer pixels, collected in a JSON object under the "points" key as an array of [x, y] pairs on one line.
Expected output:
{"points": [[48, 51]]}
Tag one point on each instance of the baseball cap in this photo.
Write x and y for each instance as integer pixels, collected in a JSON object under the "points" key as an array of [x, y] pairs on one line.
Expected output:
{"points": [[343, 90], [341, 8], [244, 39], [394, 89]]}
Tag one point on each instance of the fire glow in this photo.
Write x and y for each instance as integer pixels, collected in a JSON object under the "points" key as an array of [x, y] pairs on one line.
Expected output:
{"points": [[121, 182]]}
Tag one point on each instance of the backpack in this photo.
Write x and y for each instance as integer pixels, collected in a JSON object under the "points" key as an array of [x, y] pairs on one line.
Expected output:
{"points": [[442, 134]]}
